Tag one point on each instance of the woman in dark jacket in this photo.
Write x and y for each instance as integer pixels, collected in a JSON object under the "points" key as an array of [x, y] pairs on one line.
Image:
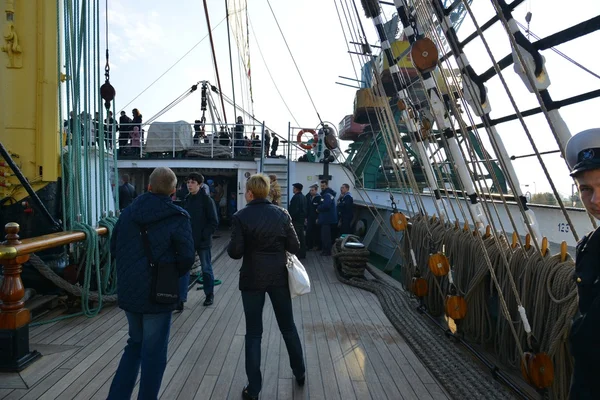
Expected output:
{"points": [[261, 234]]}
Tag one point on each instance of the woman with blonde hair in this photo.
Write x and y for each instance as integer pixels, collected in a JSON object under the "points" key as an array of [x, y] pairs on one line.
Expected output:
{"points": [[275, 190], [262, 233]]}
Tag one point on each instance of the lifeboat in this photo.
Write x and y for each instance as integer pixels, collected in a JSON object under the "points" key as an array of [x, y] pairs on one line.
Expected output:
{"points": [[366, 104], [350, 130]]}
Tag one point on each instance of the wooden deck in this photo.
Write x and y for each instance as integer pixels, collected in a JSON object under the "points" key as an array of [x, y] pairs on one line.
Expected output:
{"points": [[352, 351]]}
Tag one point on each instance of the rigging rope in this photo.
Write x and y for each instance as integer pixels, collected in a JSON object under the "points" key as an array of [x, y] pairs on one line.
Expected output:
{"points": [[295, 64], [271, 75], [172, 65]]}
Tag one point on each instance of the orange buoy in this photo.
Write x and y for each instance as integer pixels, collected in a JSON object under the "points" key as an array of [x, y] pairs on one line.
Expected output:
{"points": [[305, 145]]}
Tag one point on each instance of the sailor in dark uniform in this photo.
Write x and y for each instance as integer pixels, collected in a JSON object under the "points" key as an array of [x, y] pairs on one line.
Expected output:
{"points": [[583, 157]]}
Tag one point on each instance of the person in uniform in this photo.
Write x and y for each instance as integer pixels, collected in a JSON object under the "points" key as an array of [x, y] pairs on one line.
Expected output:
{"points": [[583, 157]]}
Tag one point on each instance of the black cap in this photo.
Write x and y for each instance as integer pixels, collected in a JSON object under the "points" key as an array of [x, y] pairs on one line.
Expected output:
{"points": [[298, 186], [583, 151]]}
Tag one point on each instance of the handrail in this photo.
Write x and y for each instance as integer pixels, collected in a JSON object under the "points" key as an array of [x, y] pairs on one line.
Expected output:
{"points": [[12, 250], [14, 316]]}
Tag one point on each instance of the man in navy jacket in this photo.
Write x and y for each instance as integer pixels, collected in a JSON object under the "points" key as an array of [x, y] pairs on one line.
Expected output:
{"points": [[204, 223], [327, 216], [170, 236], [345, 205]]}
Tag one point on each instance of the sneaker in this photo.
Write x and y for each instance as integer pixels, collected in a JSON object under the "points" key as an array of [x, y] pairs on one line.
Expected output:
{"points": [[179, 307], [210, 298], [300, 381], [248, 396]]}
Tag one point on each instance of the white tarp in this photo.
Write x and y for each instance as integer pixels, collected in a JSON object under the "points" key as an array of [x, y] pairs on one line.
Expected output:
{"points": [[169, 136]]}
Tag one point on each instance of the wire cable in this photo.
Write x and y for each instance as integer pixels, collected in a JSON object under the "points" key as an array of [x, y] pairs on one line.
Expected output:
{"points": [[172, 66], [295, 64]]}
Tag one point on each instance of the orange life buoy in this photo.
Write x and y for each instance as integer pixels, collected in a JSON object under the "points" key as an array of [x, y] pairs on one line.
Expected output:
{"points": [[304, 145]]}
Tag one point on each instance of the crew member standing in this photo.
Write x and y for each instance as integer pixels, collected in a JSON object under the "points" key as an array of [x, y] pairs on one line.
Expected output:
{"points": [[583, 157], [297, 210]]}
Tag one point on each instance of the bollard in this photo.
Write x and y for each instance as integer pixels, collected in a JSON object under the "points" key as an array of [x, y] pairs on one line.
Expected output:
{"points": [[14, 317]]}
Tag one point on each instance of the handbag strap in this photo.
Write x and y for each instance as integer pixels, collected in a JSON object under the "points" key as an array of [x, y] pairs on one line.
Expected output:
{"points": [[146, 241]]}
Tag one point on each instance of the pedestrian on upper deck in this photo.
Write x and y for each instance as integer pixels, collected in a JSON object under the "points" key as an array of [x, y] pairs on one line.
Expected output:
{"points": [[267, 147], [583, 156], [171, 242], [239, 136], [262, 234], [111, 127], [275, 145], [124, 130], [137, 119]]}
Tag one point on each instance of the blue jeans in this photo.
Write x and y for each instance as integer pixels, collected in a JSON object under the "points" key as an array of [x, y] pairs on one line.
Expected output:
{"points": [[184, 282], [253, 302], [208, 278], [146, 347]]}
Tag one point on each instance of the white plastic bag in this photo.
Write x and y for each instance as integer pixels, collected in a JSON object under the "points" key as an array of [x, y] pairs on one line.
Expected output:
{"points": [[297, 277]]}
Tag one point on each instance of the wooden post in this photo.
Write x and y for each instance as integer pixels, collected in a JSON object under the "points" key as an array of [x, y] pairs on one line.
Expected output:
{"points": [[14, 317]]}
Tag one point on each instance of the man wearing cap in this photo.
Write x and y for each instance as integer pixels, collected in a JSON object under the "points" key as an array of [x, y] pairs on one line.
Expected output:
{"points": [[583, 157], [297, 210]]}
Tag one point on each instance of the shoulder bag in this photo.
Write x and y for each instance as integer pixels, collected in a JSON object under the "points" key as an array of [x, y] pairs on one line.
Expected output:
{"points": [[164, 288]]}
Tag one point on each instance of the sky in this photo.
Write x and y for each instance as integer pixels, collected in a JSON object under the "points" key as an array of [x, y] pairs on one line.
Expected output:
{"points": [[146, 37]]}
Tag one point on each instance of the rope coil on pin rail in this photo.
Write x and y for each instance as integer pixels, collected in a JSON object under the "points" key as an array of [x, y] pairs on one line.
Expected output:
{"points": [[522, 313], [523, 317]]}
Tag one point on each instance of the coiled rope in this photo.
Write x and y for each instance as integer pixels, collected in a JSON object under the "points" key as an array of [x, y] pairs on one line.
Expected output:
{"points": [[96, 263], [544, 285]]}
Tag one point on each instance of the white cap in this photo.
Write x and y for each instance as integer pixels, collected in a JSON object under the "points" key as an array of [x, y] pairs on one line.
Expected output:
{"points": [[583, 151]]}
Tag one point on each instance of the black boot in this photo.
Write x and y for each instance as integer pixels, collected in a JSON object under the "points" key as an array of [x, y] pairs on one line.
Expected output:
{"points": [[248, 396], [210, 298]]}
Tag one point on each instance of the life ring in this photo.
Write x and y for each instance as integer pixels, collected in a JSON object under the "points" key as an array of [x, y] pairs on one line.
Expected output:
{"points": [[304, 145]]}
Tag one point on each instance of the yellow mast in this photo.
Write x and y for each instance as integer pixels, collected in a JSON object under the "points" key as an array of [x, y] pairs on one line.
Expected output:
{"points": [[29, 127]]}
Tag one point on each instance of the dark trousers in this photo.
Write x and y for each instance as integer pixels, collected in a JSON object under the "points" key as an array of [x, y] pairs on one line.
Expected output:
{"points": [[345, 228], [254, 302], [299, 228], [584, 384], [326, 238], [146, 349], [313, 235]]}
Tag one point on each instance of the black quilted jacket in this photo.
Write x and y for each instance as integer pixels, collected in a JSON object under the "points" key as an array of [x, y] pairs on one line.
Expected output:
{"points": [[262, 232], [170, 235]]}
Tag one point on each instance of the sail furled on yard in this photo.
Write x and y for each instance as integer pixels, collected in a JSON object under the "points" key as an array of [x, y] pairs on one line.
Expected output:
{"points": [[238, 22]]}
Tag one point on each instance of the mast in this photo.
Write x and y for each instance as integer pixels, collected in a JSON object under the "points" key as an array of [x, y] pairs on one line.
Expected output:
{"points": [[29, 126], [230, 62], [212, 46]]}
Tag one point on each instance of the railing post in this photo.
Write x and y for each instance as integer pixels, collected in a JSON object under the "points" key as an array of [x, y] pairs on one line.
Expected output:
{"points": [[14, 317]]}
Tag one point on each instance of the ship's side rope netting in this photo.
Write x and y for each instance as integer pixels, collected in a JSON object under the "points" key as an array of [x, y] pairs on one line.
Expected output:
{"points": [[519, 298], [88, 159]]}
